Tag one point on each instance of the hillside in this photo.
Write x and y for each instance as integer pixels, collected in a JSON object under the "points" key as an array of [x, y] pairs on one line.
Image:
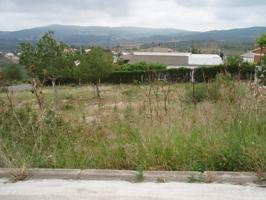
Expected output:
{"points": [[112, 36], [87, 35]]}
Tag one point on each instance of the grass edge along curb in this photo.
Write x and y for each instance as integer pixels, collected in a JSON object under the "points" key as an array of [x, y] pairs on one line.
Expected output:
{"points": [[239, 178]]}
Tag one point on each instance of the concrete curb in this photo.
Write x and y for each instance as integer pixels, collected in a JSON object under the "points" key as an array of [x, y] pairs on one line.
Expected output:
{"points": [[54, 174], [241, 178], [172, 176], [119, 175]]}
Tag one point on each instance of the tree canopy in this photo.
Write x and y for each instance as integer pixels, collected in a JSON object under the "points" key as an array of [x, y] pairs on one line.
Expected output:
{"points": [[96, 65], [46, 59], [261, 41]]}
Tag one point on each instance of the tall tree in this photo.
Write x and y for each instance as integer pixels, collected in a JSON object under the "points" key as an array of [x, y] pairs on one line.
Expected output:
{"points": [[261, 41], [95, 66], [46, 60]]}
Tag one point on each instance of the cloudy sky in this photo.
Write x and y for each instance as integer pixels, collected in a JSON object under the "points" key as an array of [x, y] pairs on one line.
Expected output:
{"points": [[200, 15]]}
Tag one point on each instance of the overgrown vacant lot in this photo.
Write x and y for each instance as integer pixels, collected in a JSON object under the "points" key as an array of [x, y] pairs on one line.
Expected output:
{"points": [[152, 127]]}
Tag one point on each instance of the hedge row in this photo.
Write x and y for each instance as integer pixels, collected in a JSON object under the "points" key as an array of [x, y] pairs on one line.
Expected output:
{"points": [[244, 72], [142, 66], [173, 75]]}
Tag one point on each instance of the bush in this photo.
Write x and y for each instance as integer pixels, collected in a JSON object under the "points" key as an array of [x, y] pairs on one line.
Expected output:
{"points": [[171, 75], [14, 72], [202, 74], [208, 73], [144, 73], [212, 91], [41, 138], [142, 66], [247, 71], [200, 93]]}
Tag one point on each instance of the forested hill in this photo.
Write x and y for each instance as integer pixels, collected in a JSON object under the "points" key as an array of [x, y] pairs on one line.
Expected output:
{"points": [[111, 36]]}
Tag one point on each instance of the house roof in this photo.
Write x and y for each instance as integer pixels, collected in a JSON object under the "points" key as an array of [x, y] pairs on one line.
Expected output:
{"points": [[176, 59], [257, 50], [160, 54], [166, 58], [205, 59], [248, 55], [157, 49]]}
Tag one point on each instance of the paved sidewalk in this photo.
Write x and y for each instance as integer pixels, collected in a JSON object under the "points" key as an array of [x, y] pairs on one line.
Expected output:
{"points": [[119, 190]]}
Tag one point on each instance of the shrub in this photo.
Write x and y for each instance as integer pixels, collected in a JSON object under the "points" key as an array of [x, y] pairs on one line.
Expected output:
{"points": [[211, 90], [142, 66], [171, 75], [14, 72], [199, 95]]}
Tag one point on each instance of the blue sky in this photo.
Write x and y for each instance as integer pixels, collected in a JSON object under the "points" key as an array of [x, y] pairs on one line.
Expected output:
{"points": [[199, 15]]}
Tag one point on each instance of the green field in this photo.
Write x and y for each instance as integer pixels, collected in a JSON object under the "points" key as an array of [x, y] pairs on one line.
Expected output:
{"points": [[152, 127]]}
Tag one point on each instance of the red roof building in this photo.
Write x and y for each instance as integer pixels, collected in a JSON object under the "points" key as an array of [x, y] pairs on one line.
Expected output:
{"points": [[258, 53]]}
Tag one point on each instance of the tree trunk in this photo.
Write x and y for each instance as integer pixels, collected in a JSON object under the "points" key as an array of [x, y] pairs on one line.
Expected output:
{"points": [[97, 90], [55, 94], [37, 89], [260, 55]]}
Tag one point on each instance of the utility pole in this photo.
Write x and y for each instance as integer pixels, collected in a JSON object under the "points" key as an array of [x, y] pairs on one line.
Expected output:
{"points": [[193, 84]]}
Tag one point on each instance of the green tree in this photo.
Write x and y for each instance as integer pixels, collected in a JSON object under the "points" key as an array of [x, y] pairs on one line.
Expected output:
{"points": [[45, 60], [261, 41], [262, 72], [50, 57], [233, 61], [28, 58], [95, 66], [195, 50]]}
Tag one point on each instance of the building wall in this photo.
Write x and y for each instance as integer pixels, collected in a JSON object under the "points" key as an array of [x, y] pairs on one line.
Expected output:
{"points": [[257, 51], [167, 60], [257, 58], [250, 60]]}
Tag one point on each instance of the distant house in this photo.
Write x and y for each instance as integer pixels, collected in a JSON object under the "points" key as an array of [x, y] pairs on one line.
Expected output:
{"points": [[69, 50], [175, 60], [254, 55], [158, 49], [257, 54], [12, 57], [87, 50], [248, 57]]}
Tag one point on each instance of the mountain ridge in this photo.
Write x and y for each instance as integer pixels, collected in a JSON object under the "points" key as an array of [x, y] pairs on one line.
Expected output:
{"points": [[110, 36]]}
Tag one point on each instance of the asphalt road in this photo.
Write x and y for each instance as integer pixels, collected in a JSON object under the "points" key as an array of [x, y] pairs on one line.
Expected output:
{"points": [[20, 87], [118, 190]]}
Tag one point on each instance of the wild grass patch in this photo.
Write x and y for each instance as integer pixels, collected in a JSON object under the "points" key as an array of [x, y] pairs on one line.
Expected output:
{"points": [[147, 127]]}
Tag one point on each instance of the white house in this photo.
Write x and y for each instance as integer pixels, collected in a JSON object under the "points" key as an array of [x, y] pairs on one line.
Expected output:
{"points": [[175, 59], [204, 60], [248, 57]]}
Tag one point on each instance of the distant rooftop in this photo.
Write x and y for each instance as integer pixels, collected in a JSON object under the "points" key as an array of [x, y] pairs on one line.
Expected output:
{"points": [[205, 59], [160, 54], [175, 59], [248, 55]]}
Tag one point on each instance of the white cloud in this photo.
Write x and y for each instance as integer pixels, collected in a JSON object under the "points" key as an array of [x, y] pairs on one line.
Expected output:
{"points": [[182, 14]]}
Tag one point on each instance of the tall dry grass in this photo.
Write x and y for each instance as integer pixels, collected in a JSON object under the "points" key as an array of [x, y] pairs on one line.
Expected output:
{"points": [[153, 127]]}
